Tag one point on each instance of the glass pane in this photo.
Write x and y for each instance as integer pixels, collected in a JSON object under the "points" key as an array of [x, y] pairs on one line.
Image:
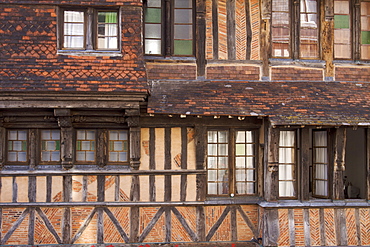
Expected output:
{"points": [[286, 155], [223, 188], [286, 172], [183, 3], [22, 156], [250, 162], [17, 146], [80, 134], [113, 156], [240, 162], [107, 17], [73, 16], [320, 138], [50, 145], [153, 47], [153, 15], [241, 188], [80, 156], [212, 162], [222, 149], [321, 188], [222, 162], [342, 51], [90, 156], [286, 189], [45, 156], [113, 135], [365, 23], [212, 149], [365, 37], [250, 149], [12, 156], [240, 149], [341, 21], [107, 29], [74, 29], [321, 172], [45, 134], [280, 19], [55, 134], [122, 156], [223, 136], [212, 175], [154, 3], [183, 16], [55, 156], [250, 188], [365, 52], [250, 175], [123, 135], [341, 7], [90, 135], [240, 137], [365, 8], [212, 188], [286, 138], [183, 31], [280, 5], [321, 155], [212, 136], [240, 175], [13, 135], [108, 43], [85, 145], [153, 31], [118, 146], [183, 47], [73, 42], [222, 175]]}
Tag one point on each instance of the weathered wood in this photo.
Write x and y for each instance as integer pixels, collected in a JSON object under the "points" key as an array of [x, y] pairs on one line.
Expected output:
{"points": [[358, 225], [186, 226], [265, 49], [32, 139], [261, 162], [15, 226], [339, 165], [67, 188], [32, 189], [295, 41], [135, 189], [101, 188], [322, 227], [117, 181], [305, 165], [291, 225], [201, 146], [48, 225], [135, 147], [340, 226], [84, 226], [367, 193], [49, 184], [233, 224], [152, 164], [117, 225], [31, 226], [168, 225], [85, 183], [1, 221], [66, 146], [2, 146], [66, 229], [200, 34], [231, 161], [327, 36], [15, 190], [272, 172], [215, 28], [201, 223], [101, 149], [167, 165], [134, 226], [248, 24], [218, 223], [356, 33], [100, 226], [270, 227], [230, 20], [306, 227], [184, 162], [151, 224]]}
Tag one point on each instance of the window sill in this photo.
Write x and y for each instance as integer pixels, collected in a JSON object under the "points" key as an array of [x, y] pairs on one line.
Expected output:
{"points": [[233, 200], [316, 203], [90, 53], [351, 62], [314, 63], [169, 59]]}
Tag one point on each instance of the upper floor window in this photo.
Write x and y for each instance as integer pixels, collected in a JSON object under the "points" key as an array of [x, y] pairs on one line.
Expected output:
{"points": [[50, 145], [17, 146], [231, 170], [118, 146], [169, 28], [320, 164], [351, 30], [287, 164], [295, 29], [89, 29], [85, 145]]}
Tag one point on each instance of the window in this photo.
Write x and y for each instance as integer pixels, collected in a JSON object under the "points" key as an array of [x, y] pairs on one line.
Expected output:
{"points": [[89, 29], [118, 146], [17, 145], [231, 173], [169, 28], [50, 145], [351, 30], [320, 164], [85, 146], [287, 164], [295, 35]]}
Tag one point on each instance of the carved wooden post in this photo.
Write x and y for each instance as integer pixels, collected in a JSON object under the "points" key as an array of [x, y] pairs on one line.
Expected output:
{"points": [[101, 148], [305, 165], [327, 38], [339, 165], [32, 148], [66, 137], [135, 132], [265, 37], [272, 172]]}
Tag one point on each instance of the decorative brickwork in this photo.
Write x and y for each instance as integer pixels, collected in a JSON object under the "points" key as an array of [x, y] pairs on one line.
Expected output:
{"points": [[289, 73], [233, 72], [352, 73], [171, 71]]}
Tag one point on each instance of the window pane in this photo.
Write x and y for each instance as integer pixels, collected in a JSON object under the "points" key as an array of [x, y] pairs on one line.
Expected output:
{"points": [[321, 155], [321, 172], [212, 162], [183, 3], [108, 43], [153, 15], [286, 172], [183, 32], [287, 138], [74, 29], [153, 31], [212, 188], [223, 136], [85, 145], [286, 189], [365, 52], [107, 17], [222, 149], [240, 162], [73, 16], [321, 188], [223, 162], [17, 145], [286, 155], [183, 47], [341, 21], [183, 16], [118, 146], [240, 149], [153, 47]]}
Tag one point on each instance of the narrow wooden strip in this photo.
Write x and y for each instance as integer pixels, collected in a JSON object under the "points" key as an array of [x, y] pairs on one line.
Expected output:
{"points": [[184, 185], [152, 188], [66, 229], [32, 189], [201, 223], [49, 185], [48, 225], [367, 194], [167, 149], [67, 188], [306, 227], [215, 227], [215, 28], [186, 226], [84, 188], [15, 226], [1, 220], [152, 148], [135, 189], [358, 225], [322, 226], [100, 226], [84, 226], [15, 190], [184, 162], [117, 225], [151, 224], [291, 227], [167, 188], [248, 222], [340, 225], [168, 224], [117, 182], [305, 165], [101, 188], [230, 15], [234, 225], [134, 224], [31, 226], [248, 24]]}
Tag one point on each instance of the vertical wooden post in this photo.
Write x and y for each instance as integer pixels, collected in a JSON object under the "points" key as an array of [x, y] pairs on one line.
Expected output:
{"points": [[367, 193], [66, 137], [327, 37], [265, 37], [339, 165], [215, 28], [2, 146], [270, 227], [32, 148], [201, 37], [67, 197], [184, 162], [152, 165], [167, 165], [31, 198], [355, 31], [101, 149], [295, 10], [272, 171], [230, 15], [305, 165]]}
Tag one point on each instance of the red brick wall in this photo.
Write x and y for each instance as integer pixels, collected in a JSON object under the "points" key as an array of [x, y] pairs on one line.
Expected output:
{"points": [[296, 73], [352, 73], [233, 72], [171, 71], [29, 59]]}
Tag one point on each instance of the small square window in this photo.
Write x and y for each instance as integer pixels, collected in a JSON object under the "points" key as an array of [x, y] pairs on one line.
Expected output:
{"points": [[118, 146], [85, 146], [17, 146], [50, 145]]}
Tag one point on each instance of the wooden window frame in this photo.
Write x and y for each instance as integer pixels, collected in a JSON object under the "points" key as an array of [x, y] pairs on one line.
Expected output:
{"points": [[90, 33], [26, 162], [231, 157], [294, 32], [108, 161], [75, 147], [167, 29], [40, 140]]}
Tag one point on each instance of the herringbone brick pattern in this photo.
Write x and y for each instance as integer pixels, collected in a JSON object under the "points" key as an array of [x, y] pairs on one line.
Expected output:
{"points": [[330, 232], [315, 226], [365, 226], [10, 216], [222, 30], [299, 227], [351, 226], [255, 23], [284, 239], [240, 30], [111, 234], [79, 215]]}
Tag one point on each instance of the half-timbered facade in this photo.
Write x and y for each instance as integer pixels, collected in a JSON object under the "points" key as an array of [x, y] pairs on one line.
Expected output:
{"points": [[181, 122]]}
